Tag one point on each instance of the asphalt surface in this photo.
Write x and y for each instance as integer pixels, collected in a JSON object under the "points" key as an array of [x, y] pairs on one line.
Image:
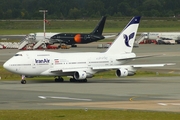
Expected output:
{"points": [[147, 93], [157, 94]]}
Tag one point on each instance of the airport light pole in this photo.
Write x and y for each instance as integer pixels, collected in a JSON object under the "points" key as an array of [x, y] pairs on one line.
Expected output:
{"points": [[44, 11]]}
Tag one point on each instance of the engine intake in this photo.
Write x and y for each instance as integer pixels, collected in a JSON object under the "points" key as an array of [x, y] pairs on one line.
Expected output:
{"points": [[123, 72], [80, 75]]}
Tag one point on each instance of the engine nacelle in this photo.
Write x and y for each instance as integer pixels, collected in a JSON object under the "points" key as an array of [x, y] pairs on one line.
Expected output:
{"points": [[80, 75], [121, 72]]}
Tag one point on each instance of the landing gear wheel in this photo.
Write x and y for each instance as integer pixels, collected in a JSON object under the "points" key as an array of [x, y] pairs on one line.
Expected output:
{"points": [[73, 45], [23, 81], [72, 80], [59, 79], [56, 80], [85, 80]]}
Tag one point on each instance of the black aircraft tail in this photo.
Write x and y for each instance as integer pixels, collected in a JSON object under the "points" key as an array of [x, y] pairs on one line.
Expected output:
{"points": [[99, 28]]}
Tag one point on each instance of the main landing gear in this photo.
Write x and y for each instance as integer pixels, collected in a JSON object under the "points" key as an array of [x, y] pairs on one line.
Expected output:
{"points": [[59, 79], [73, 45]]}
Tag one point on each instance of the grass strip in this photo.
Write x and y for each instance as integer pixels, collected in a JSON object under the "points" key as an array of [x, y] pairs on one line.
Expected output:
{"points": [[86, 115]]}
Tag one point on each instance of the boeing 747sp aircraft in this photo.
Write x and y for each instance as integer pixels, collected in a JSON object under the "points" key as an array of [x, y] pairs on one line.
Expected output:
{"points": [[81, 65]]}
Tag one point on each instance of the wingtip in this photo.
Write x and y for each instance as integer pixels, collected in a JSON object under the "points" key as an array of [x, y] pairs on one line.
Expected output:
{"points": [[170, 63]]}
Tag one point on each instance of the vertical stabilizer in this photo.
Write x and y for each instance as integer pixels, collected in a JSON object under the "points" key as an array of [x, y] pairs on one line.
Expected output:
{"points": [[125, 40], [99, 28]]}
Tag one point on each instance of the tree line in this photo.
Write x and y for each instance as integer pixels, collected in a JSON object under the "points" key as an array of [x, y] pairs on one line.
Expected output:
{"points": [[78, 9]]}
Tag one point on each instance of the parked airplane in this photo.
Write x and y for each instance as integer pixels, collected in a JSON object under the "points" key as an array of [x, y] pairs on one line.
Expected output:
{"points": [[80, 38], [81, 65], [72, 38]]}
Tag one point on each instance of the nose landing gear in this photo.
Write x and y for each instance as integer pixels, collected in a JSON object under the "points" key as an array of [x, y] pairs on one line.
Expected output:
{"points": [[23, 81]]}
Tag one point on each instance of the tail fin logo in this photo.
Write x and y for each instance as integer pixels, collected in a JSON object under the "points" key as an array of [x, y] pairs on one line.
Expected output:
{"points": [[128, 38]]}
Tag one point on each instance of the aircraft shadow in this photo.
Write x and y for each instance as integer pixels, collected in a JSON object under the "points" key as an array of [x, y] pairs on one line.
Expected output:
{"points": [[121, 81]]}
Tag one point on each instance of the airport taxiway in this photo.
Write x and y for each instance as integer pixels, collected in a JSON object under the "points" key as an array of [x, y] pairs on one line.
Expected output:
{"points": [[157, 94], [151, 93]]}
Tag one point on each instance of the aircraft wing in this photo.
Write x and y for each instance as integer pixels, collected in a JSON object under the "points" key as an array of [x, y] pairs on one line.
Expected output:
{"points": [[56, 41], [131, 66], [64, 70]]}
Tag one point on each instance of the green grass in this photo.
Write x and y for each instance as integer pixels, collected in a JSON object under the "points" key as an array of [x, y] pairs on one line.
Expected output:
{"points": [[6, 75], [86, 115], [85, 26]]}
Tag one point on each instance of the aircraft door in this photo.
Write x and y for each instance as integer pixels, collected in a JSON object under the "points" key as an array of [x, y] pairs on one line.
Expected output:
{"points": [[85, 37], [52, 63], [33, 64], [110, 61], [89, 62]]}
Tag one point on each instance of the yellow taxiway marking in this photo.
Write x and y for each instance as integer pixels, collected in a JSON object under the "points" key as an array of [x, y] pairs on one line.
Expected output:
{"points": [[131, 99]]}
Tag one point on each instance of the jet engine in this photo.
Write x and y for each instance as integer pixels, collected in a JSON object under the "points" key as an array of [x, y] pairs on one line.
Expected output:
{"points": [[122, 72], [80, 75]]}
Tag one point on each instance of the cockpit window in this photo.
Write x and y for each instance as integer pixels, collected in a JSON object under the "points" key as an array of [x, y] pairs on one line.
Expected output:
{"points": [[18, 55]]}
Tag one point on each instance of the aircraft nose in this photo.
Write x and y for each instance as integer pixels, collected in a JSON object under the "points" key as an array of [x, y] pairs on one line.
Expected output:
{"points": [[5, 65]]}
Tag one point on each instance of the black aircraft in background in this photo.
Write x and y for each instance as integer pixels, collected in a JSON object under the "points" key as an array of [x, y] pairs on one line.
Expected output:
{"points": [[80, 38]]}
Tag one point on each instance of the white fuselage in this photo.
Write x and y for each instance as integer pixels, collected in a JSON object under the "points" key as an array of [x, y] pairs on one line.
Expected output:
{"points": [[33, 63]]}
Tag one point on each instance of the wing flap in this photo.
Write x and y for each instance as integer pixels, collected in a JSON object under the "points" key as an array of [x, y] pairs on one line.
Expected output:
{"points": [[152, 65], [138, 57], [108, 67], [68, 69]]}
